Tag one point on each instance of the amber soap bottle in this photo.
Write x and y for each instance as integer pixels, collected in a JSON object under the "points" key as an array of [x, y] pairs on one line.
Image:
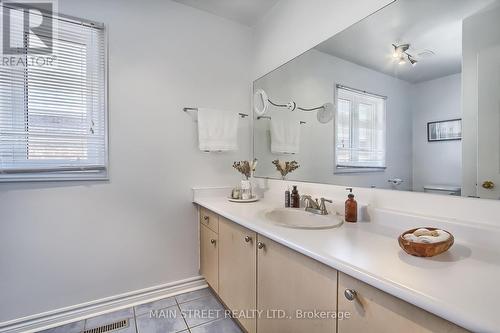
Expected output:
{"points": [[295, 198], [351, 208]]}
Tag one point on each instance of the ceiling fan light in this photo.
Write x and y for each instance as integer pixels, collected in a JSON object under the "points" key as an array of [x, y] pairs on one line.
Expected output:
{"points": [[401, 55], [397, 51]]}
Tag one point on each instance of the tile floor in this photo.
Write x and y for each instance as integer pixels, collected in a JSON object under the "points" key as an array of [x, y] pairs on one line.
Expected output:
{"points": [[196, 312]]}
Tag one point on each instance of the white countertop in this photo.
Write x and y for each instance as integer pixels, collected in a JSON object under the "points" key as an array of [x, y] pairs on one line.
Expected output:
{"points": [[461, 285]]}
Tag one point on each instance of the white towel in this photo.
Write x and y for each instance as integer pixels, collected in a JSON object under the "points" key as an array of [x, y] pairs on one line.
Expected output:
{"points": [[285, 135], [217, 130]]}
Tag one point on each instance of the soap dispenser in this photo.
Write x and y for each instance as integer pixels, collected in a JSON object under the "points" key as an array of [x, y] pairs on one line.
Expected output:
{"points": [[287, 198], [351, 208], [295, 198]]}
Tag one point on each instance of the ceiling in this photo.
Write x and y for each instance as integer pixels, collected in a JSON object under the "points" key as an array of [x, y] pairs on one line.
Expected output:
{"points": [[246, 12], [425, 24]]}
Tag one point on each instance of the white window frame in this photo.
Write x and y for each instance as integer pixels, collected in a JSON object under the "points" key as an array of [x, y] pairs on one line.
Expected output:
{"points": [[357, 169], [84, 173]]}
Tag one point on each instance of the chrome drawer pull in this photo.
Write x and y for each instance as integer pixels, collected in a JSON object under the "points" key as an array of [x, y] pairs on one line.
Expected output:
{"points": [[350, 294]]}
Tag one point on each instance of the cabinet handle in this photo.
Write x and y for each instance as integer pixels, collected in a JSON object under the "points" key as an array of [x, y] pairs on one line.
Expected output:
{"points": [[206, 218], [213, 241], [248, 239], [350, 294], [261, 245]]}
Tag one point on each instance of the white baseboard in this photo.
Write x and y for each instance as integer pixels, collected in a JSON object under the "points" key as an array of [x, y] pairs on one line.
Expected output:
{"points": [[82, 311]]}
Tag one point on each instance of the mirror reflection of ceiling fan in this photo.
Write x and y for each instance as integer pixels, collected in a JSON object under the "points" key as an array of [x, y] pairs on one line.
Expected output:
{"points": [[403, 54]]}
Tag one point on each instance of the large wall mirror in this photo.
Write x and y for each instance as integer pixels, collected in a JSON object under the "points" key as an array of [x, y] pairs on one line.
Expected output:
{"points": [[406, 99]]}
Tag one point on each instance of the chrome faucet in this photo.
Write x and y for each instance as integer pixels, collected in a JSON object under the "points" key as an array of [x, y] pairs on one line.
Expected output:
{"points": [[309, 202], [313, 206]]}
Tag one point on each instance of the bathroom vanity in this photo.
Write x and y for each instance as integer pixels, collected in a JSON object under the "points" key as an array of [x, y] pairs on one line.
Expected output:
{"points": [[256, 266]]}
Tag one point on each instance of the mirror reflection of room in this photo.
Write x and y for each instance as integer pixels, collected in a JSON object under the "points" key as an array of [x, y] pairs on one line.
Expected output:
{"points": [[403, 85]]}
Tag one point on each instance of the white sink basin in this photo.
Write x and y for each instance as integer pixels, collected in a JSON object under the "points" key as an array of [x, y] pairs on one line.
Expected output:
{"points": [[300, 219]]}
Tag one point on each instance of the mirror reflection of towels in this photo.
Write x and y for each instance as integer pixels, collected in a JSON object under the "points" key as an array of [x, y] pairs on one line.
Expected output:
{"points": [[285, 135]]}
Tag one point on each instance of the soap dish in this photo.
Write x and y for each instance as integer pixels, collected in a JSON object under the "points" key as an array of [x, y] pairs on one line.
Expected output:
{"points": [[425, 249]]}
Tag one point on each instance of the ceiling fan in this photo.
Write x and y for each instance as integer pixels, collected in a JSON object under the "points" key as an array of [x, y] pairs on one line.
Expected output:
{"points": [[401, 54]]}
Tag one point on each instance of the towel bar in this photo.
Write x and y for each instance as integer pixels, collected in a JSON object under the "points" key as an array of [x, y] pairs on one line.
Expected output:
{"points": [[242, 115], [267, 117]]}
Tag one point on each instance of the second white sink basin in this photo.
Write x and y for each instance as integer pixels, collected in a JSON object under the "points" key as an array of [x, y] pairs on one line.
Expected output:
{"points": [[300, 219]]}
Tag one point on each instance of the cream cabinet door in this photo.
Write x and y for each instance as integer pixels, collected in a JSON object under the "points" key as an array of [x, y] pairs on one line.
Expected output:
{"points": [[237, 271], [372, 310], [301, 287], [209, 256]]}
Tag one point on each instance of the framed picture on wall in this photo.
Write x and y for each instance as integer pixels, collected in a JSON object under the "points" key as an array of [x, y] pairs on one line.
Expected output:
{"points": [[445, 130]]}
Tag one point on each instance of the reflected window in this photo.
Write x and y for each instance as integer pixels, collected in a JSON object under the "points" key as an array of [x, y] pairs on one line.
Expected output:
{"points": [[360, 131]]}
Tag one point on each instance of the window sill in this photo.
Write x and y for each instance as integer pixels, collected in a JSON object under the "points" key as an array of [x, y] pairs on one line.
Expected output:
{"points": [[55, 177], [358, 170]]}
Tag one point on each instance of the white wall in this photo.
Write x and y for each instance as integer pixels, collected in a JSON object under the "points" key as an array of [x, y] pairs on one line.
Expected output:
{"points": [[66, 243], [310, 81], [294, 26], [436, 163]]}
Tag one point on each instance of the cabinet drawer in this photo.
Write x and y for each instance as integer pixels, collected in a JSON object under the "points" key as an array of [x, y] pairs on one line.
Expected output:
{"points": [[209, 219], [373, 310], [209, 256]]}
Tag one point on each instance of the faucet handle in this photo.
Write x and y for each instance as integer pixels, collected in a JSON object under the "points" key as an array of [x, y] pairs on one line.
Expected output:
{"points": [[323, 200], [322, 206]]}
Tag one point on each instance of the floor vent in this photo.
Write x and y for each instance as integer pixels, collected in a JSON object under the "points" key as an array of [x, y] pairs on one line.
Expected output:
{"points": [[109, 327]]}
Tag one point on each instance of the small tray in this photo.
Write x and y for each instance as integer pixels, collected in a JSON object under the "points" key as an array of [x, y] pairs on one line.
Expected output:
{"points": [[423, 249], [254, 199]]}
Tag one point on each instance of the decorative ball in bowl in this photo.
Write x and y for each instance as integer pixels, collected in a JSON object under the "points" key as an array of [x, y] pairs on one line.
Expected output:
{"points": [[426, 242]]}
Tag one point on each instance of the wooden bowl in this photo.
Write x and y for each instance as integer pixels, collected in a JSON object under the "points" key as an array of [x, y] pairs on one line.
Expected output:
{"points": [[422, 249]]}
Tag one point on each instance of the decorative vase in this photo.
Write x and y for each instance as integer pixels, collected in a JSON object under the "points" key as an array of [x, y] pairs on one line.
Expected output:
{"points": [[246, 190]]}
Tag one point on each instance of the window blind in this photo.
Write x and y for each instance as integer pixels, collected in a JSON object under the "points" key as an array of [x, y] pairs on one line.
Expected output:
{"points": [[360, 130], [53, 117]]}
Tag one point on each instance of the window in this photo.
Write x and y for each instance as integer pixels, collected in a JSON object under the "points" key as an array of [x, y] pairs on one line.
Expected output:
{"points": [[53, 114], [360, 131]]}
